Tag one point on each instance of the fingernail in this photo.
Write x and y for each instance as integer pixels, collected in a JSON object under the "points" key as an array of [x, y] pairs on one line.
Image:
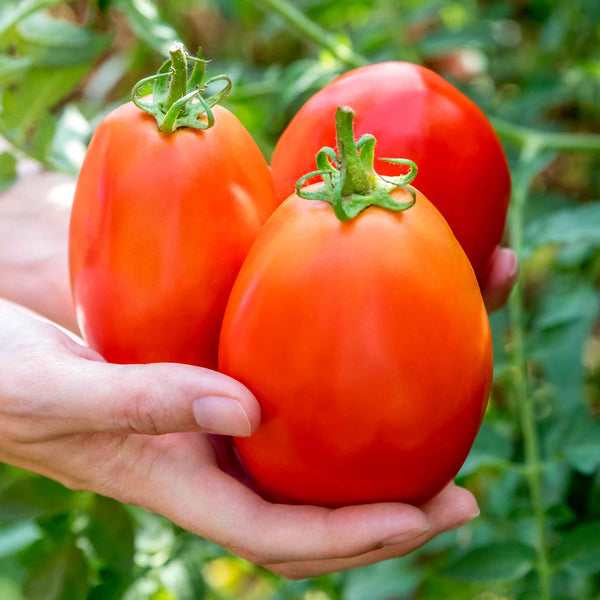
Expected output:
{"points": [[463, 522], [407, 536], [217, 414], [469, 518]]}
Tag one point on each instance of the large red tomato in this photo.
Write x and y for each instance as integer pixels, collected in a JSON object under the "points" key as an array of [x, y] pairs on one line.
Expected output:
{"points": [[368, 346], [416, 114], [161, 224]]}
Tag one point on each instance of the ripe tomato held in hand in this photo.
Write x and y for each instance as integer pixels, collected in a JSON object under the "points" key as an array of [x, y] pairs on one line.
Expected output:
{"points": [[365, 340], [414, 113], [161, 223]]}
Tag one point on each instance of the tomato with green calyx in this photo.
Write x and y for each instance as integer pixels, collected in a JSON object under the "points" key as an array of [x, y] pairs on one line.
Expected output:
{"points": [[167, 205], [357, 321], [415, 113]]}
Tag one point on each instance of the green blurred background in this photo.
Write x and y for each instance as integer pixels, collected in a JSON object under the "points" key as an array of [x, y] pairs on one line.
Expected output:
{"points": [[534, 67]]}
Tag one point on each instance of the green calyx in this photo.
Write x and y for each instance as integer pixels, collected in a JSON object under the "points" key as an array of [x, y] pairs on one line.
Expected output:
{"points": [[176, 99], [350, 182]]}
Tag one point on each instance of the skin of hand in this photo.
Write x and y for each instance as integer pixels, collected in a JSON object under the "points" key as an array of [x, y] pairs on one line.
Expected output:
{"points": [[34, 224], [142, 434]]}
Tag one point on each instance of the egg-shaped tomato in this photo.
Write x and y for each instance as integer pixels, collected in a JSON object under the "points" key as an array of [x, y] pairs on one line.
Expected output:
{"points": [[366, 342], [162, 220], [415, 113]]}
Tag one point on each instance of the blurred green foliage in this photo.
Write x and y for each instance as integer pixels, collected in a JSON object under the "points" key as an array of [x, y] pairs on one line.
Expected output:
{"points": [[63, 65]]}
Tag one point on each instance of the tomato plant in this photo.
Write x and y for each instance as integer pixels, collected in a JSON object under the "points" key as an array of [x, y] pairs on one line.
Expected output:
{"points": [[415, 113], [357, 321], [162, 219]]}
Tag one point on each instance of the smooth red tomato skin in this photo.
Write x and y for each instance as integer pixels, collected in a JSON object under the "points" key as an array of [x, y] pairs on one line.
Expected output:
{"points": [[368, 346], [414, 114], [160, 226]]}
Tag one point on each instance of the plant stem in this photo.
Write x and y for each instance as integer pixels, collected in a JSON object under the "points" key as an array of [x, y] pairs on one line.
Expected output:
{"points": [[520, 136], [305, 28], [525, 410]]}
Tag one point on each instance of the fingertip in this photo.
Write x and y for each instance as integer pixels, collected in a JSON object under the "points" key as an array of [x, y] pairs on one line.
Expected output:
{"points": [[508, 264], [248, 402], [453, 507], [222, 385], [221, 415], [503, 274], [466, 507]]}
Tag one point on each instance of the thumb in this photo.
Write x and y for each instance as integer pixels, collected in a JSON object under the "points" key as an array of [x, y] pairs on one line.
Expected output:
{"points": [[155, 399]]}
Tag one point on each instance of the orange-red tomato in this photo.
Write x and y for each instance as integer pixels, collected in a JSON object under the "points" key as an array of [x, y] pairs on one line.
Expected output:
{"points": [[416, 114], [368, 346], [161, 224]]}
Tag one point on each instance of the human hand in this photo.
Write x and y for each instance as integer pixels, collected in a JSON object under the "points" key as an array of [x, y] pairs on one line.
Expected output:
{"points": [[34, 224], [130, 432], [138, 433]]}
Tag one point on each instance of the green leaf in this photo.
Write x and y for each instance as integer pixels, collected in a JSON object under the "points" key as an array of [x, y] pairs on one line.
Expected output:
{"points": [[69, 142], [562, 324], [582, 449], [390, 579], [441, 588], [56, 573], [56, 526], [178, 579], [112, 586], [153, 534], [579, 549], [39, 91], [492, 447], [145, 20], [508, 562], [55, 42], [556, 479], [12, 11], [13, 68], [301, 78], [33, 497], [110, 532], [503, 492], [443, 42], [16, 538], [574, 225], [8, 170]]}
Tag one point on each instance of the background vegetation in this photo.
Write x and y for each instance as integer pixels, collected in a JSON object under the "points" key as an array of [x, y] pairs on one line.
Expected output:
{"points": [[532, 65]]}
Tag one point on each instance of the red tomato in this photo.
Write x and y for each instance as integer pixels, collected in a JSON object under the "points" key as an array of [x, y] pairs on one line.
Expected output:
{"points": [[416, 114], [161, 224], [368, 346]]}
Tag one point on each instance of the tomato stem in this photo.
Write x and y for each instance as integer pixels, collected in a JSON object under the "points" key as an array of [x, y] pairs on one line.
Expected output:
{"points": [[198, 71], [177, 101], [350, 182], [178, 84], [357, 180]]}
